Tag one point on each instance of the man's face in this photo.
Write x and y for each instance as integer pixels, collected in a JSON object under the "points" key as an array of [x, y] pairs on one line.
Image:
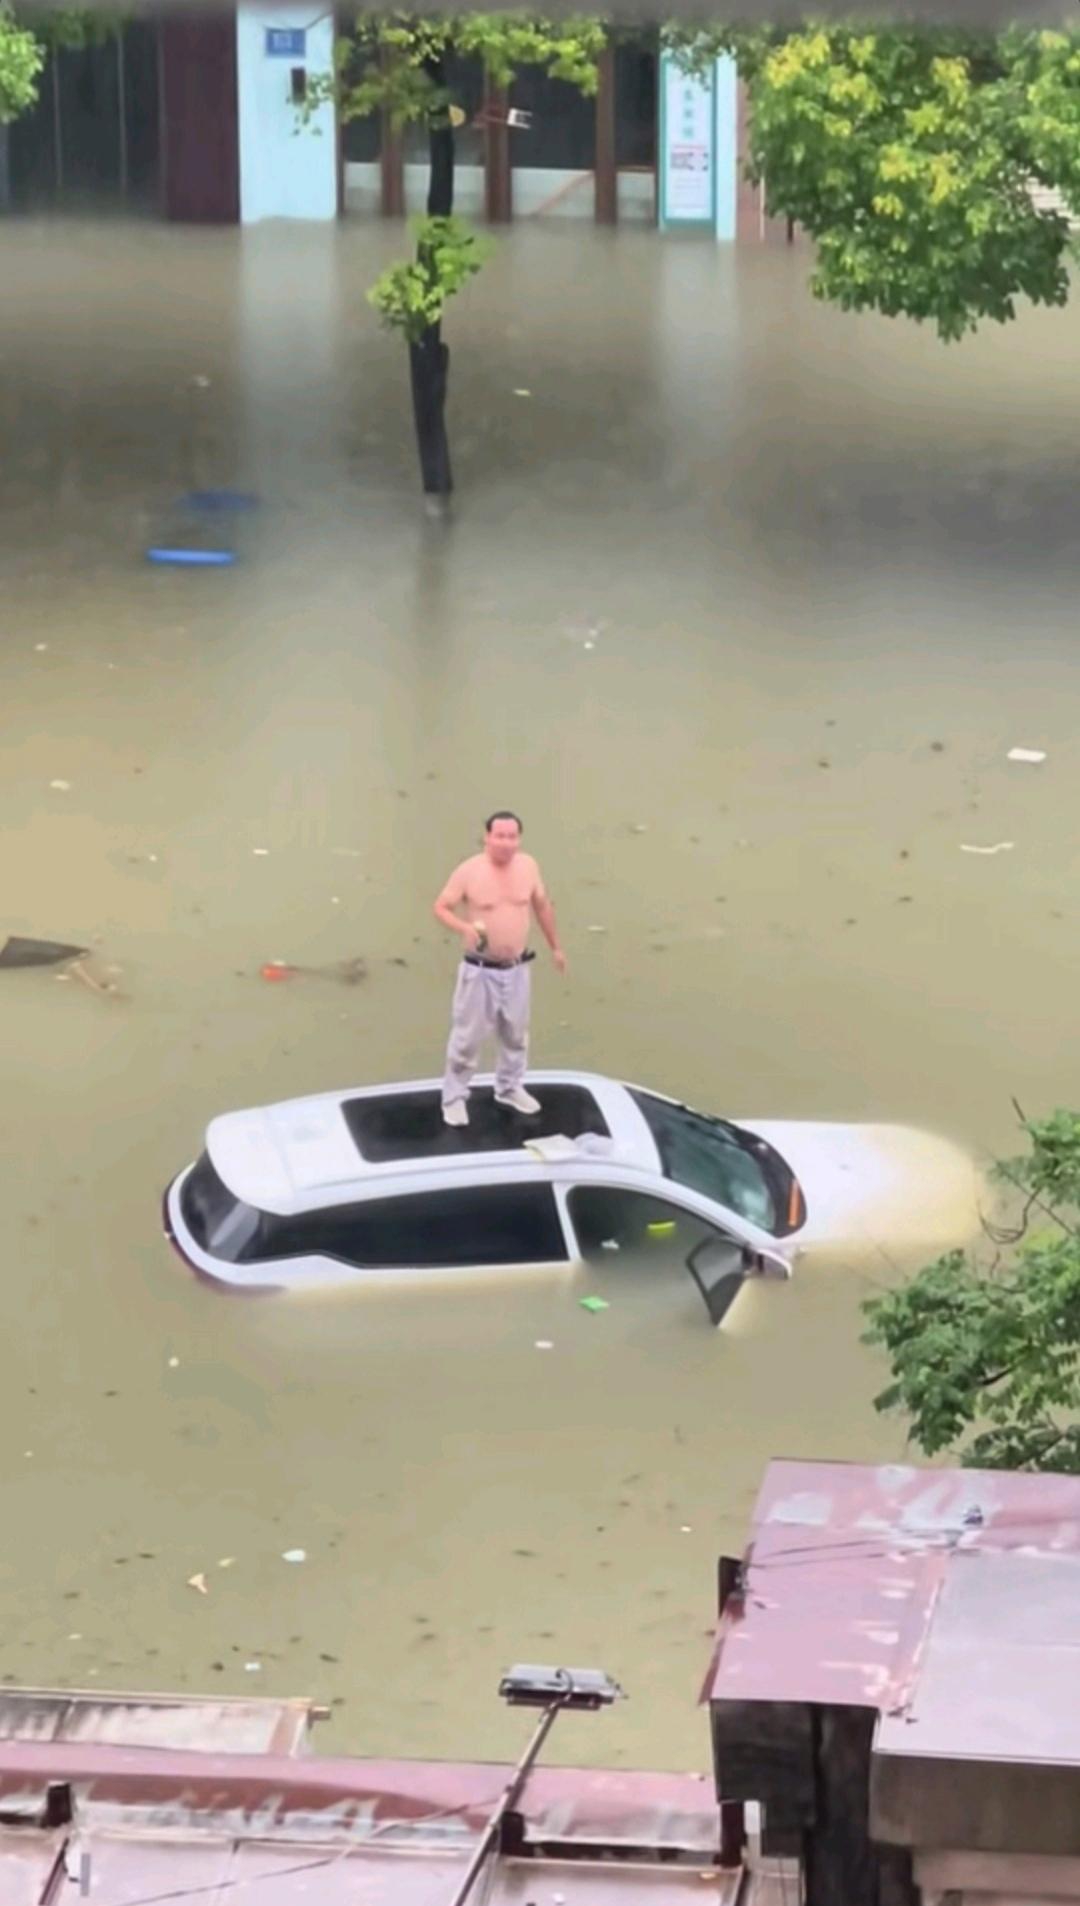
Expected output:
{"points": [[503, 841]]}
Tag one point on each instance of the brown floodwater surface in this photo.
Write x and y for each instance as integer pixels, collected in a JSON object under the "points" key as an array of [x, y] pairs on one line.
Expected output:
{"points": [[742, 607]]}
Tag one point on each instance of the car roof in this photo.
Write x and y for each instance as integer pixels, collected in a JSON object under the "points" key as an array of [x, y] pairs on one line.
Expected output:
{"points": [[340, 1147]]}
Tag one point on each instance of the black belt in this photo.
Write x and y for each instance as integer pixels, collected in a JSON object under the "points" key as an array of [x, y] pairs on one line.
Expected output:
{"points": [[498, 966]]}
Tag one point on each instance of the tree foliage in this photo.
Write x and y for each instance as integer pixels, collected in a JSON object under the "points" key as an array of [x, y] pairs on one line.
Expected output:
{"points": [[391, 61], [411, 295], [24, 49], [21, 59], [909, 156], [985, 1357]]}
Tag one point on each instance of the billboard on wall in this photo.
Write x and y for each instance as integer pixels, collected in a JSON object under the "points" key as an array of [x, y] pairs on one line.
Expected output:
{"points": [[698, 158]]}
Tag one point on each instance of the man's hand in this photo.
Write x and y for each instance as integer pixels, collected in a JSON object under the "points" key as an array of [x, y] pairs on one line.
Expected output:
{"points": [[558, 959]]}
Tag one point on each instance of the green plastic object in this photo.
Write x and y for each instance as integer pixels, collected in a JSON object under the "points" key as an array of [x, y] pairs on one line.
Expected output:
{"points": [[594, 1304]]}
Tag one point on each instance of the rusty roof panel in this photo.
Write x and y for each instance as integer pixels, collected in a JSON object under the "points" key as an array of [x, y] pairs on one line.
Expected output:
{"points": [[28, 1861], [223, 1726], [846, 1563], [128, 1870], [999, 1677]]}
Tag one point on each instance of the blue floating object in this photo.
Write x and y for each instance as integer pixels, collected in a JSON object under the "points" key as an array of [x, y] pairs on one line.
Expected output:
{"points": [[214, 500], [193, 558]]}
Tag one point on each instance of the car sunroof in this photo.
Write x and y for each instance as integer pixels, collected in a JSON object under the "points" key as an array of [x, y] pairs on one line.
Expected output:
{"points": [[410, 1124]]}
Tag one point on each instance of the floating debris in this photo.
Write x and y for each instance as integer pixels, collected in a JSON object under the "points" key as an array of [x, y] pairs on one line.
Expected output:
{"points": [[999, 847], [61, 787], [544, 1343], [1033, 755], [347, 972], [594, 1304], [294, 1555], [198, 1582], [20, 952]]}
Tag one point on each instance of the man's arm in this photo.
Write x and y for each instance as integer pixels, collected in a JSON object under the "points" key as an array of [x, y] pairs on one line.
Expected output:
{"points": [[545, 916], [448, 901]]}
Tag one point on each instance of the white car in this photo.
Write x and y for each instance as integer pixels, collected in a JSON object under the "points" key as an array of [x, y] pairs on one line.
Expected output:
{"points": [[349, 1186]]}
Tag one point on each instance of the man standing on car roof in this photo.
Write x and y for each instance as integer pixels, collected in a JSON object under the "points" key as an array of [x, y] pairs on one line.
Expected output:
{"points": [[487, 901]]}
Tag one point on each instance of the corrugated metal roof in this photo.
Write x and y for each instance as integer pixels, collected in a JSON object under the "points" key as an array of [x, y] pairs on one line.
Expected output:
{"points": [[223, 1725], [999, 1676], [154, 1825], [846, 1565]]}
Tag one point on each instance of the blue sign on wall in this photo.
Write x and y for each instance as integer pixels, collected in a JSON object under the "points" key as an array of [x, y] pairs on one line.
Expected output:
{"points": [[285, 42]]}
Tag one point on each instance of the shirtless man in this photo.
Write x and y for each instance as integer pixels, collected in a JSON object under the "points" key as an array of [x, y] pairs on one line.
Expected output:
{"points": [[487, 901]]}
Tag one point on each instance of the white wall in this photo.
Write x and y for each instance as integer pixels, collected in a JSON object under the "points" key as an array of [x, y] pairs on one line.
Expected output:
{"points": [[537, 193], [283, 173]]}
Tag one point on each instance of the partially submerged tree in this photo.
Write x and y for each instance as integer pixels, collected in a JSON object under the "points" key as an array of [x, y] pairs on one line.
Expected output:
{"points": [[985, 1355], [401, 65], [909, 155]]}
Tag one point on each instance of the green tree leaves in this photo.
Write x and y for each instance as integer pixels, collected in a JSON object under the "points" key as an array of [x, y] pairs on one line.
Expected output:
{"points": [[909, 156], [985, 1358], [21, 60], [410, 296]]}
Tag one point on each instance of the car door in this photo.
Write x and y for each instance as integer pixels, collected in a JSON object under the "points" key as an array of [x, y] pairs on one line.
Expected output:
{"points": [[609, 1216]]}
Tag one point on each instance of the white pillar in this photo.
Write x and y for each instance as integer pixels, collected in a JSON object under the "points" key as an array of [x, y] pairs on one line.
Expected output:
{"points": [[287, 170]]}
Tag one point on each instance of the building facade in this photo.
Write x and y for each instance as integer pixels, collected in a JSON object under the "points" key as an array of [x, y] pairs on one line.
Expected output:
{"points": [[196, 117]]}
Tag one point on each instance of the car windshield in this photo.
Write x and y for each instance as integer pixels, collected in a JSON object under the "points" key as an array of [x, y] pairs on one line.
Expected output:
{"points": [[708, 1156], [219, 1223]]}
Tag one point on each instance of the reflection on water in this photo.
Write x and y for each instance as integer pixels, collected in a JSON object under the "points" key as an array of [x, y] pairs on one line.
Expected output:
{"points": [[743, 608]]}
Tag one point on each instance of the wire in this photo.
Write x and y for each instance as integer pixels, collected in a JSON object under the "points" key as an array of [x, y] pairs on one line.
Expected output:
{"points": [[311, 1866]]}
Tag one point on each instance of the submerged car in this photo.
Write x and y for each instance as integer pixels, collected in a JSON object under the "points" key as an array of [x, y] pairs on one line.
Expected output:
{"points": [[350, 1186]]}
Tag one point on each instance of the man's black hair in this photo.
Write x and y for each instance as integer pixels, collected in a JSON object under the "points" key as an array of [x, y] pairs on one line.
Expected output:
{"points": [[503, 814]]}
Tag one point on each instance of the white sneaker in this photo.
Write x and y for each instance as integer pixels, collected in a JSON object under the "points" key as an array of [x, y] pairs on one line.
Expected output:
{"points": [[456, 1113], [519, 1101]]}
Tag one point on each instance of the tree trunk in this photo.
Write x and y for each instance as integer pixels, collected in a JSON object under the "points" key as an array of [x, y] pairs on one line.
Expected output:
{"points": [[429, 359]]}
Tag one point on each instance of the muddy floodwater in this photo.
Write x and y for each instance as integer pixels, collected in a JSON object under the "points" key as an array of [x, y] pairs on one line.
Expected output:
{"points": [[743, 606]]}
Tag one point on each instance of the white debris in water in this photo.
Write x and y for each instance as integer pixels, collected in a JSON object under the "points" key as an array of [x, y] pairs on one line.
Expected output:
{"points": [[544, 1343], [294, 1555], [62, 787], [523, 393], [227, 1561], [609, 1244], [253, 1667], [198, 1582], [597, 929], [999, 847], [260, 852], [174, 1363], [1034, 755], [40, 648]]}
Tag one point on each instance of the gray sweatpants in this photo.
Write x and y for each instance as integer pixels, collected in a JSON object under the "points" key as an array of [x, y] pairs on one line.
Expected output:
{"points": [[488, 1000]]}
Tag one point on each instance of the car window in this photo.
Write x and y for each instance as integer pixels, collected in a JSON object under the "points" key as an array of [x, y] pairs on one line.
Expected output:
{"points": [[604, 1215], [488, 1224], [707, 1156]]}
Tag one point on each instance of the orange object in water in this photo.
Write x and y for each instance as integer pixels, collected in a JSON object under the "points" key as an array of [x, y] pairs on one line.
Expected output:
{"points": [[275, 969]]}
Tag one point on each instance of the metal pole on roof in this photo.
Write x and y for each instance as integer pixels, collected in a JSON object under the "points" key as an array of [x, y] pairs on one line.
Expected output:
{"points": [[490, 1837]]}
